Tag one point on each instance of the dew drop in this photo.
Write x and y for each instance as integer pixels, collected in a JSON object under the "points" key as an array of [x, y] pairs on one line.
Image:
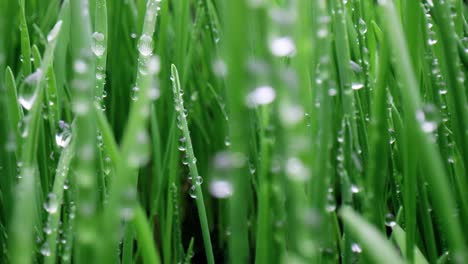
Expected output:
{"points": [[45, 250], [80, 66], [296, 170], [134, 93], [282, 46], [219, 68], [362, 26], [261, 95], [227, 141], [356, 248], [431, 41], [23, 127], [390, 220], [198, 180], [28, 91], [145, 45], [98, 44], [357, 86], [139, 154], [154, 65], [221, 188], [355, 189], [63, 138], [355, 67], [154, 93], [51, 206], [428, 117], [192, 192]]}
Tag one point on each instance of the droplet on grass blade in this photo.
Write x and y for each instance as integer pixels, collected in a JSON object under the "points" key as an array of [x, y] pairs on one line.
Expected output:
{"points": [[51, 206], [45, 250], [429, 118], [291, 114], [357, 86], [98, 44], [221, 188], [63, 138], [28, 91], [355, 66], [139, 154], [198, 180], [354, 189], [145, 45], [134, 93], [23, 126], [261, 95], [362, 26], [296, 170], [282, 46], [390, 220], [356, 248], [192, 192], [220, 68]]}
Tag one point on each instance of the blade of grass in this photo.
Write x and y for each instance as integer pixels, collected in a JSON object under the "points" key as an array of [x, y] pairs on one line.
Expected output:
{"points": [[373, 243], [196, 178]]}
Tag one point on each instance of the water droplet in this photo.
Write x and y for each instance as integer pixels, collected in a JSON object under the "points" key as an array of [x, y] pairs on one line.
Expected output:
{"points": [[98, 44], [139, 154], [154, 65], [291, 114], [428, 118], [45, 250], [261, 95], [431, 41], [219, 68], [126, 213], [134, 93], [227, 160], [390, 220], [23, 127], [145, 45], [362, 26], [252, 168], [192, 192], [28, 91], [63, 138], [55, 31], [296, 170], [332, 92], [198, 180], [331, 204], [51, 206], [185, 160], [357, 86], [356, 248], [80, 66], [221, 188], [322, 32], [154, 93], [182, 148], [282, 46], [355, 67], [227, 141], [80, 106], [355, 189]]}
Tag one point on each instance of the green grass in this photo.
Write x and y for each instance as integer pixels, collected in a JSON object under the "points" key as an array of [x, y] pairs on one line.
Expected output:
{"points": [[246, 131]]}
